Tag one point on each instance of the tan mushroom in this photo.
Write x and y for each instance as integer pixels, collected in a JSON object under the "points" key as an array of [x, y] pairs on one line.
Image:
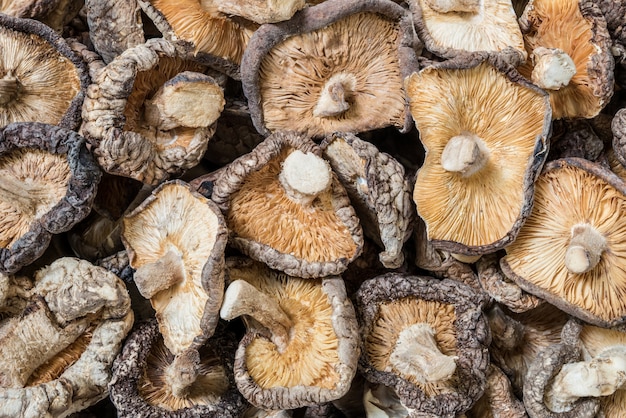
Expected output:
{"points": [[261, 11]]}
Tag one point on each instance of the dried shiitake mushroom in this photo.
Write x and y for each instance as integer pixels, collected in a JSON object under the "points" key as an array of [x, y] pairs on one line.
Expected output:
{"points": [[618, 126], [261, 11], [498, 401], [285, 207], [48, 181], [336, 66]]}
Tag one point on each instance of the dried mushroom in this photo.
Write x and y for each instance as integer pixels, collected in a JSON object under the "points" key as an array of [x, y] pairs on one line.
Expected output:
{"points": [[55, 357], [426, 339], [336, 66], [261, 11], [485, 132], [498, 401], [48, 182], [569, 51], [301, 346], [53, 13], [378, 189], [285, 207], [43, 80], [570, 249], [452, 27], [141, 385], [150, 114], [618, 127]]}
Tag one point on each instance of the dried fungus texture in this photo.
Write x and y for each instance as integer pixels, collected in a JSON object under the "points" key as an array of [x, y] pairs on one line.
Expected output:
{"points": [[498, 401], [337, 66], [618, 127], [138, 387], [573, 192], [477, 212], [261, 11], [127, 141], [578, 28], [305, 240], [48, 182], [42, 79], [175, 240]]}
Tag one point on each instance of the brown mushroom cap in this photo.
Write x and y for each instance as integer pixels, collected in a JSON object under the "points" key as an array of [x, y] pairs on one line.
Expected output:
{"points": [[498, 401], [175, 240], [484, 149], [42, 78], [261, 11], [577, 213], [48, 182], [336, 66], [577, 28], [618, 127]]}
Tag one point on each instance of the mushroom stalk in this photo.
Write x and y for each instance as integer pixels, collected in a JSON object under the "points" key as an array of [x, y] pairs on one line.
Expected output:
{"points": [[162, 274], [464, 154], [9, 87], [334, 99], [458, 6], [241, 298], [182, 372], [304, 176], [601, 376], [585, 249], [553, 68], [417, 354], [507, 332]]}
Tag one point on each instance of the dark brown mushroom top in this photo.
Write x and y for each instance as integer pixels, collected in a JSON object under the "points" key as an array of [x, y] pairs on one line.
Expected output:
{"points": [[426, 339], [42, 79], [48, 181], [336, 66], [618, 127], [285, 207], [498, 401]]}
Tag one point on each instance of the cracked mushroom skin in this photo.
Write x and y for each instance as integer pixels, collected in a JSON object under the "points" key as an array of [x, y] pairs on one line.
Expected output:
{"points": [[140, 386], [175, 242], [315, 233], [334, 67], [618, 127], [48, 182], [570, 248], [43, 80], [378, 190], [301, 346], [57, 354], [150, 114], [484, 149], [261, 11], [569, 49], [425, 338]]}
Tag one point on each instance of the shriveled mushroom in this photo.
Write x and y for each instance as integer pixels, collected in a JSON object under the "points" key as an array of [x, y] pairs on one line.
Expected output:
{"points": [[618, 126], [426, 339], [378, 189], [498, 401], [261, 11], [570, 248], [150, 114], [336, 66], [485, 132], [55, 357], [48, 182], [53, 13], [301, 346], [285, 207], [43, 80], [569, 55]]}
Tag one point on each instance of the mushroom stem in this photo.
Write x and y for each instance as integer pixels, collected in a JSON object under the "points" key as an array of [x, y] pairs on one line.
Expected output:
{"points": [[585, 249], [181, 373], [458, 6], [601, 376], [464, 154], [553, 68], [9, 87], [241, 298], [507, 332], [335, 95], [304, 176], [162, 274], [417, 354]]}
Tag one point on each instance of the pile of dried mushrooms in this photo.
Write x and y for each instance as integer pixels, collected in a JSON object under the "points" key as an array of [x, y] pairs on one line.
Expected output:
{"points": [[313, 208]]}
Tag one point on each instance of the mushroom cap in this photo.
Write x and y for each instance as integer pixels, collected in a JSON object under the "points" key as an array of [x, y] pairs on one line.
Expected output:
{"points": [[312, 240], [618, 127], [43, 79], [571, 192], [176, 221], [48, 183], [320, 359], [578, 28], [390, 303], [482, 212], [364, 47], [261, 11]]}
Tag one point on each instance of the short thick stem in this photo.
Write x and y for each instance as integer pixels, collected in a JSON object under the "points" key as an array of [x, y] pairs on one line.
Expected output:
{"points": [[304, 176], [417, 354], [464, 154], [458, 6], [585, 249], [601, 376], [9, 88], [335, 97], [553, 68], [241, 298], [507, 333], [182, 373], [162, 274]]}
